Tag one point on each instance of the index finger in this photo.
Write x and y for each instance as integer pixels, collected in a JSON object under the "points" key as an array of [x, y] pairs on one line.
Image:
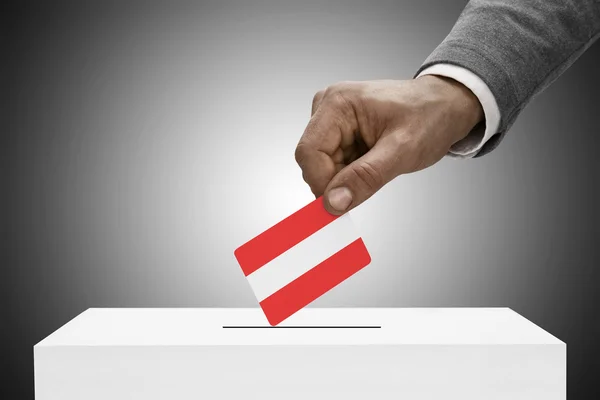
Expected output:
{"points": [[318, 151]]}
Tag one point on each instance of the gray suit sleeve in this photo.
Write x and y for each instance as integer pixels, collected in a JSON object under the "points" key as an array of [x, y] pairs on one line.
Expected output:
{"points": [[518, 48]]}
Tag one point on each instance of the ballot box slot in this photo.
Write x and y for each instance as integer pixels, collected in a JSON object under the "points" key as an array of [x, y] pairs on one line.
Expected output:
{"points": [[302, 327]]}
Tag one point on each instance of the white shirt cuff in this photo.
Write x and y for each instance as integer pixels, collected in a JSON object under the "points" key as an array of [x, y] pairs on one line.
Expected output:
{"points": [[470, 146]]}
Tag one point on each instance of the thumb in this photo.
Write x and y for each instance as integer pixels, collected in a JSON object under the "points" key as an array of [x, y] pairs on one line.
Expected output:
{"points": [[358, 181]]}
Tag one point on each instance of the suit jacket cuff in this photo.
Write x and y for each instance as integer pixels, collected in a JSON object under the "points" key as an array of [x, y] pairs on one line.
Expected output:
{"points": [[472, 144]]}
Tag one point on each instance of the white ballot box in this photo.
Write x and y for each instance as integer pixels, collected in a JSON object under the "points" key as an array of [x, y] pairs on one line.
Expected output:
{"points": [[336, 353]]}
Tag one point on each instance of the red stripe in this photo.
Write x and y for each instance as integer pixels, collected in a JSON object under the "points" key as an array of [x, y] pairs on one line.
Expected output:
{"points": [[283, 236], [316, 282]]}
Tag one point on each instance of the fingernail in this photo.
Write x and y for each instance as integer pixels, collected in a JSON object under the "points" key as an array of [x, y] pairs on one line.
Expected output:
{"points": [[340, 198]]}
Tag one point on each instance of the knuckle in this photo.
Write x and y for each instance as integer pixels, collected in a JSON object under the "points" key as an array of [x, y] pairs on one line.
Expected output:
{"points": [[369, 176], [334, 89], [341, 94], [316, 101], [399, 143], [318, 96], [411, 151], [342, 86], [300, 153], [339, 100]]}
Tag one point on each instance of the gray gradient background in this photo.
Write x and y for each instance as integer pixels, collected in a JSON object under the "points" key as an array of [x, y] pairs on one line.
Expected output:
{"points": [[142, 143]]}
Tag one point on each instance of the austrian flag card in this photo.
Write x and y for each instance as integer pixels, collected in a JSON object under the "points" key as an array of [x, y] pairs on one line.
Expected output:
{"points": [[301, 258]]}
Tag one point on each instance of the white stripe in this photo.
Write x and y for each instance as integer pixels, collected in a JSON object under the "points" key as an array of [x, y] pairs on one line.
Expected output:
{"points": [[302, 257]]}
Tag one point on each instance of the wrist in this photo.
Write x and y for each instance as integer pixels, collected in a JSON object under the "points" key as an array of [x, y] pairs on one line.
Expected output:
{"points": [[459, 100]]}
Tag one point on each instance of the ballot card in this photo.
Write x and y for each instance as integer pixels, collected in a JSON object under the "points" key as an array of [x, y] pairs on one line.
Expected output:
{"points": [[301, 258]]}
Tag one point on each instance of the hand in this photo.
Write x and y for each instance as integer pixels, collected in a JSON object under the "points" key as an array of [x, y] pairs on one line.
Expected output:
{"points": [[362, 135]]}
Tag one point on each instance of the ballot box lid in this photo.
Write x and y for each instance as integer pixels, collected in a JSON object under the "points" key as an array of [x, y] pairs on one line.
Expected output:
{"points": [[310, 326]]}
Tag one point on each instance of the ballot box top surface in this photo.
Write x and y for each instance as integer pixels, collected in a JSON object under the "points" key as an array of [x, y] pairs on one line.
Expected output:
{"points": [[310, 326]]}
